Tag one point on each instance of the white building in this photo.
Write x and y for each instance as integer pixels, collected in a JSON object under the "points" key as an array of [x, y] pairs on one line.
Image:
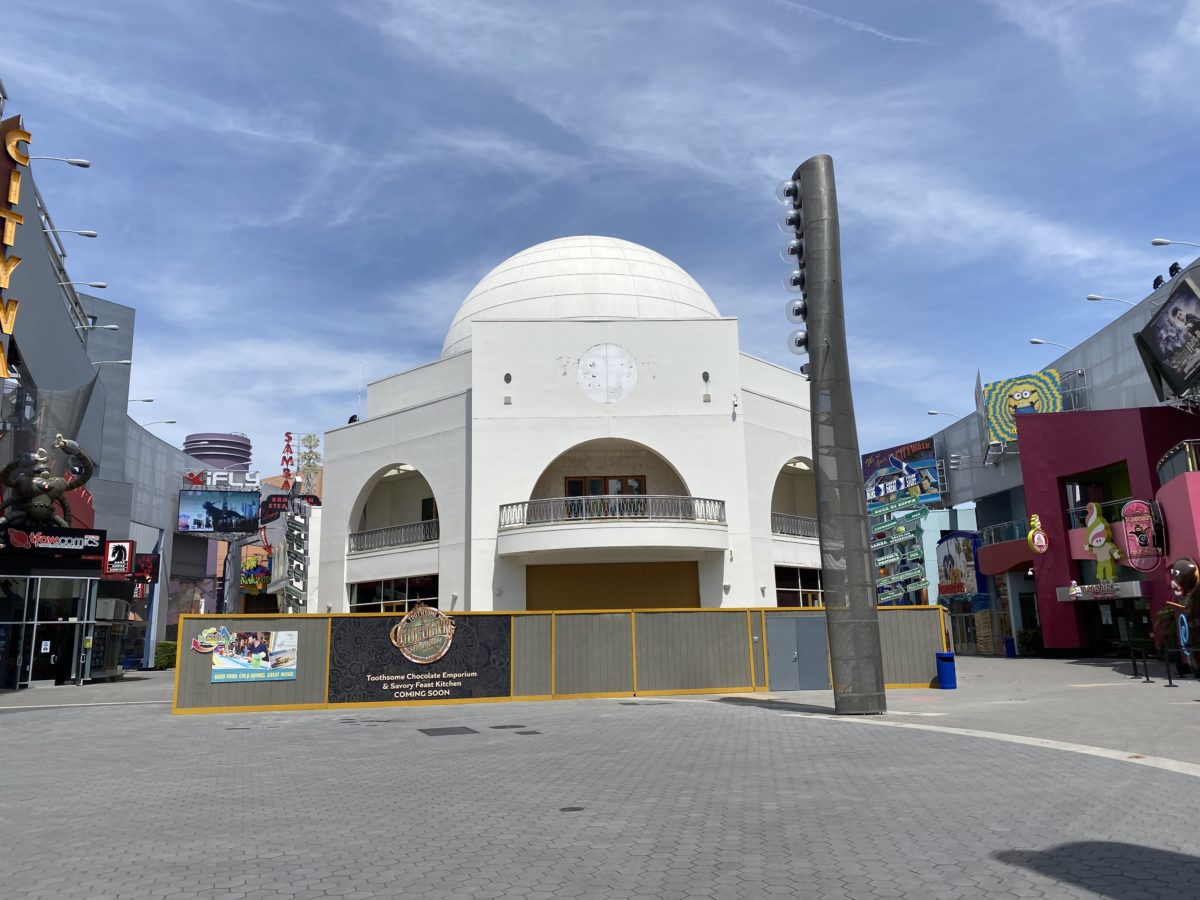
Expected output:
{"points": [[591, 438]]}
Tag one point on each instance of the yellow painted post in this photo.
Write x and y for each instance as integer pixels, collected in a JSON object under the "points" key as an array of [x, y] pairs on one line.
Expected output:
{"points": [[553, 651], [633, 646]]}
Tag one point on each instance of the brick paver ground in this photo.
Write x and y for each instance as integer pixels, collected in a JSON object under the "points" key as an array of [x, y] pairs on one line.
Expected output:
{"points": [[679, 799]]}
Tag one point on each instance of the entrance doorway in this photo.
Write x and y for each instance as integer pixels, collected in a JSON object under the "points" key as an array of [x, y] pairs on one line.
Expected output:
{"points": [[55, 648], [797, 653]]}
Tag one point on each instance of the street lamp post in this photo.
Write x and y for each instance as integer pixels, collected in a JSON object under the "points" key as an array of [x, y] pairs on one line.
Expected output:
{"points": [[851, 618], [113, 362], [82, 232], [1037, 342], [91, 284], [1165, 242], [78, 163], [938, 412], [1095, 298], [97, 327], [157, 422]]}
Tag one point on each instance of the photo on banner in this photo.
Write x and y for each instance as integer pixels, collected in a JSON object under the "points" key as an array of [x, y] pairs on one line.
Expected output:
{"points": [[909, 470], [1170, 342], [1003, 401], [240, 656]]}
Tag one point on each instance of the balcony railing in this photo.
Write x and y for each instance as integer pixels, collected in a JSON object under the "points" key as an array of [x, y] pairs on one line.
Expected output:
{"points": [[1004, 531], [1111, 510], [612, 506], [394, 536], [794, 526]]}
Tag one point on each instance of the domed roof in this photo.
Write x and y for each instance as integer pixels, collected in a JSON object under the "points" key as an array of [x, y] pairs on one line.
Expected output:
{"points": [[581, 278]]}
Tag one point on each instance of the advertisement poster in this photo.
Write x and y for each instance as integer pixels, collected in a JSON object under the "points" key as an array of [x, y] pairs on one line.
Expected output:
{"points": [[1003, 401], [1172, 336], [909, 470], [145, 567], [255, 572], [118, 557], [367, 663], [957, 572], [240, 656], [218, 512]]}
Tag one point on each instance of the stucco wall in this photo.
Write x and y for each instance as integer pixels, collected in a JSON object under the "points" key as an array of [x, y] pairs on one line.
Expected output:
{"points": [[395, 501], [609, 456]]}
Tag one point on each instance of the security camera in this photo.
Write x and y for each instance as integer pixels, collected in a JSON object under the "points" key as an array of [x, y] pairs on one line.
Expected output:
{"points": [[1175, 269], [792, 250], [805, 370], [788, 192], [796, 311], [797, 341]]}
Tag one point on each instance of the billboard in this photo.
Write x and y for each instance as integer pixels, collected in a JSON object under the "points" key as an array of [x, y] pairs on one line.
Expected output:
{"points": [[909, 470], [218, 513], [957, 570], [1170, 342], [1003, 401], [239, 656]]}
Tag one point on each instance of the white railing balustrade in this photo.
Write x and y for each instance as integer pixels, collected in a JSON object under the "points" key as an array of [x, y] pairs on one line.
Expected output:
{"points": [[794, 526], [613, 506], [394, 536]]}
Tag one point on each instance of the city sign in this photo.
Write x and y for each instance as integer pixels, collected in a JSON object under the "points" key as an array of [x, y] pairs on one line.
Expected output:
{"points": [[236, 481], [903, 503], [892, 540], [13, 134]]}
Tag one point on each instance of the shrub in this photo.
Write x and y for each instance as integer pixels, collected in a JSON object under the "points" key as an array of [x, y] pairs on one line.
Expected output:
{"points": [[164, 655], [1029, 642]]}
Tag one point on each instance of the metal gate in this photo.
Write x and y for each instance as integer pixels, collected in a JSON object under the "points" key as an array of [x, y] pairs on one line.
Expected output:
{"points": [[797, 653]]}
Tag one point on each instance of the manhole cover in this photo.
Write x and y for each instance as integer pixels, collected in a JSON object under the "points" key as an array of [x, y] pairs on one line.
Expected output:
{"points": [[442, 732], [528, 732], [570, 809]]}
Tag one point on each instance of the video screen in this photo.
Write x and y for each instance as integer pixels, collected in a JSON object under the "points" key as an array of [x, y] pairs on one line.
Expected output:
{"points": [[218, 512]]}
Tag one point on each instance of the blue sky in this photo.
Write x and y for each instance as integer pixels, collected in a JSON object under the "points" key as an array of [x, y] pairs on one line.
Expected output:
{"points": [[313, 187]]}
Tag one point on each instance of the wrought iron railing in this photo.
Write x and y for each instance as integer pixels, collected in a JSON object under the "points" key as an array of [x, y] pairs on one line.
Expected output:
{"points": [[612, 506], [394, 536], [795, 526], [1004, 531]]}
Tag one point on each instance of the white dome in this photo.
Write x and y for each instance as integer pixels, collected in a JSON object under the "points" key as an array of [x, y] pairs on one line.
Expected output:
{"points": [[581, 278]]}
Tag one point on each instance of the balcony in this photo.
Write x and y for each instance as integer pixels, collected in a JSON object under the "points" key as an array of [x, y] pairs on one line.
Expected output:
{"points": [[793, 526], [394, 536], [612, 528], [1005, 531]]}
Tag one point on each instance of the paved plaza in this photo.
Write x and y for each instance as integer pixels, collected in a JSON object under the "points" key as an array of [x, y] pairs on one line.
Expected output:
{"points": [[668, 798]]}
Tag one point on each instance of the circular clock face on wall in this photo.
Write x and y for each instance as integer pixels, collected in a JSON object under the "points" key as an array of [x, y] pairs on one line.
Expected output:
{"points": [[607, 373]]}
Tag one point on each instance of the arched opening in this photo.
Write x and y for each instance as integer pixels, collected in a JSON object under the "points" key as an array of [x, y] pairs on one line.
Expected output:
{"points": [[396, 511], [612, 483], [794, 515], [609, 467], [794, 496]]}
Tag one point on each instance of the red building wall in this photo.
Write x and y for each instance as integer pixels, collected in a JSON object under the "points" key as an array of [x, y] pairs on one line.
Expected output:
{"points": [[1055, 447]]}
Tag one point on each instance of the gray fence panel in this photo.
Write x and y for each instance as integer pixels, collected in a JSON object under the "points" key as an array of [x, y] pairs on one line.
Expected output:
{"points": [[196, 690], [910, 638], [593, 654], [692, 651], [531, 656]]}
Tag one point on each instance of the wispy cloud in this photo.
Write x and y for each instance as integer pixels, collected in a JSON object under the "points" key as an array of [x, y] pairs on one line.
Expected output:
{"points": [[861, 27]]}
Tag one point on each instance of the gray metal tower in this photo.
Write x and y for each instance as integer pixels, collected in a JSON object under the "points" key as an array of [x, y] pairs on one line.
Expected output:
{"points": [[847, 564]]}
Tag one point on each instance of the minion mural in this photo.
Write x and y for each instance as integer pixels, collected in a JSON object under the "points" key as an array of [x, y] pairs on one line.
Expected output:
{"points": [[1100, 544], [1003, 401]]}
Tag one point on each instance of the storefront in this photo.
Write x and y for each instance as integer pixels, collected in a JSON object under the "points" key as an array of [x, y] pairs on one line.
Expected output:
{"points": [[51, 616]]}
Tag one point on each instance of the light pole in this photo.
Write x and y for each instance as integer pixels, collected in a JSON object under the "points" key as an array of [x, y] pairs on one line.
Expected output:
{"points": [[78, 163], [81, 232], [91, 284], [1037, 342], [97, 327], [847, 563], [938, 412], [1095, 298], [113, 362], [1165, 242], [141, 400], [157, 422]]}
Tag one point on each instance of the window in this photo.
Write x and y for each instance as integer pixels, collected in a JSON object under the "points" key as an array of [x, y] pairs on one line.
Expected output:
{"points": [[605, 486], [798, 587], [394, 594]]}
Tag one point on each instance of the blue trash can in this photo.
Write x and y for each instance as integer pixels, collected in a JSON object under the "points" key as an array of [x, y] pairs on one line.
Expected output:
{"points": [[946, 678], [1010, 648]]}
